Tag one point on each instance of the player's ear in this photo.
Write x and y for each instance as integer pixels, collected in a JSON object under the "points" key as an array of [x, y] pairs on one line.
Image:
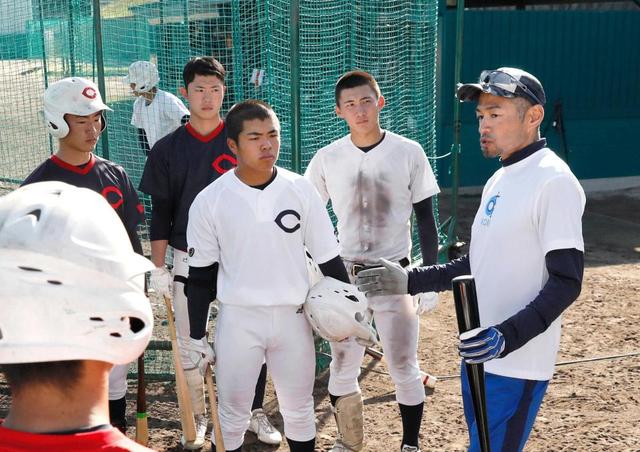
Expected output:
{"points": [[232, 145], [183, 92], [338, 112], [380, 102], [535, 115]]}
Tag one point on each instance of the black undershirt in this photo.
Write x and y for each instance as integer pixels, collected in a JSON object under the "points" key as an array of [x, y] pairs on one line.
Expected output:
{"points": [[427, 231], [267, 183], [524, 152], [368, 148]]}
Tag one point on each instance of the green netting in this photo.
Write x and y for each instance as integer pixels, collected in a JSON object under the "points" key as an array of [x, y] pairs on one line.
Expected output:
{"points": [[44, 40], [158, 360]]}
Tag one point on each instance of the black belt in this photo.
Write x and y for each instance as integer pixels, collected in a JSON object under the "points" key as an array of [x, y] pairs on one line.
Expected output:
{"points": [[358, 267]]}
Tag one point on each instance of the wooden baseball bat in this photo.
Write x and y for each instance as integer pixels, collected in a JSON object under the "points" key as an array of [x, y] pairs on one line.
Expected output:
{"points": [[427, 379], [182, 391], [466, 301], [142, 426], [213, 407]]}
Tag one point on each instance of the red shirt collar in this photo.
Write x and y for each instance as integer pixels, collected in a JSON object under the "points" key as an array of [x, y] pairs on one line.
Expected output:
{"points": [[205, 138], [76, 169]]}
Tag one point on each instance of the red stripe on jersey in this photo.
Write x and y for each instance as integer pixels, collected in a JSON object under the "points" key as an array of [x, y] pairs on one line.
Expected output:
{"points": [[75, 169], [217, 163], [116, 190], [140, 208], [205, 138]]}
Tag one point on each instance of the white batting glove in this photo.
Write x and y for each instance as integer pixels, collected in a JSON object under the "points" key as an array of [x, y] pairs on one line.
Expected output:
{"points": [[201, 353], [425, 302], [161, 281]]}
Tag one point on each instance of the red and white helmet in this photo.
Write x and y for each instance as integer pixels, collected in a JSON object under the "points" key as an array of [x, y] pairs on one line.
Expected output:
{"points": [[144, 75], [71, 287], [72, 95], [337, 310]]}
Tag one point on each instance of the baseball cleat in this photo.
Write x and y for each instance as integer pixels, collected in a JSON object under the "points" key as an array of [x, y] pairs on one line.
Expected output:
{"points": [[340, 447], [260, 425], [201, 430], [407, 448]]}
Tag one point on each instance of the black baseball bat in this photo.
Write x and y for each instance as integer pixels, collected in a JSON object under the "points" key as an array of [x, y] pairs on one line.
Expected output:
{"points": [[466, 301]]}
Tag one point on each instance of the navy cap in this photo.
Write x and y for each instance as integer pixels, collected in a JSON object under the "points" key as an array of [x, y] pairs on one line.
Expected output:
{"points": [[503, 82]]}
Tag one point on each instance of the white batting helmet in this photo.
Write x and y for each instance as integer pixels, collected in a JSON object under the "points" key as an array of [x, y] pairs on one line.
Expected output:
{"points": [[144, 75], [337, 310], [71, 287], [72, 95]]}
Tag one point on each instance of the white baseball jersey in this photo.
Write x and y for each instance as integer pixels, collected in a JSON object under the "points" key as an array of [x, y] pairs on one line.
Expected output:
{"points": [[258, 237], [161, 117], [527, 209], [372, 193]]}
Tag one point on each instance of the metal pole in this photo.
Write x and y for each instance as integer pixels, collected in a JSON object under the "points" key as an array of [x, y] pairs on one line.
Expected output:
{"points": [[97, 30], [236, 51], [295, 86], [185, 19], [456, 147], [352, 39], [44, 62], [72, 35]]}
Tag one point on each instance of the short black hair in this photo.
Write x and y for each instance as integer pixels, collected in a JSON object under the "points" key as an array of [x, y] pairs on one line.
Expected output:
{"points": [[246, 111], [202, 66], [62, 374], [353, 79]]}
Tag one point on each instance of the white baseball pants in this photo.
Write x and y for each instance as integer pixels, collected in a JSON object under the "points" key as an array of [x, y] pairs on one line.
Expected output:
{"points": [[246, 336], [398, 327]]}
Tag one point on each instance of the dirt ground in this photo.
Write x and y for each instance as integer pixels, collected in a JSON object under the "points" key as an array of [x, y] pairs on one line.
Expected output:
{"points": [[590, 406]]}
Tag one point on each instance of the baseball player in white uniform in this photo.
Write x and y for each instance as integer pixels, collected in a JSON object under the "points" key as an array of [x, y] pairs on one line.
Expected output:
{"points": [[246, 237], [375, 179], [156, 113]]}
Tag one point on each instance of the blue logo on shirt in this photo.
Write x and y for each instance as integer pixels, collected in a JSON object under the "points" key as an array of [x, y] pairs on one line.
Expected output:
{"points": [[488, 209]]}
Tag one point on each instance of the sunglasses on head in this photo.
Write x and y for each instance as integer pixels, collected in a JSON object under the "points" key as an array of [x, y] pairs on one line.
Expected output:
{"points": [[506, 83]]}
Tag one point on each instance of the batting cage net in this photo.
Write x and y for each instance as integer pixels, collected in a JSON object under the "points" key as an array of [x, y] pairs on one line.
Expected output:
{"points": [[291, 64]]}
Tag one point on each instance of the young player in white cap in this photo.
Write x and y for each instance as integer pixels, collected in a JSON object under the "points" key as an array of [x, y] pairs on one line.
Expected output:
{"points": [[526, 255], [72, 305], [247, 235], [74, 114], [156, 113], [375, 179]]}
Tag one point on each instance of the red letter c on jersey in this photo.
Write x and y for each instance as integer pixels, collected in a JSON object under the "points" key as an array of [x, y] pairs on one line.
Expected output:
{"points": [[217, 163], [116, 199]]}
